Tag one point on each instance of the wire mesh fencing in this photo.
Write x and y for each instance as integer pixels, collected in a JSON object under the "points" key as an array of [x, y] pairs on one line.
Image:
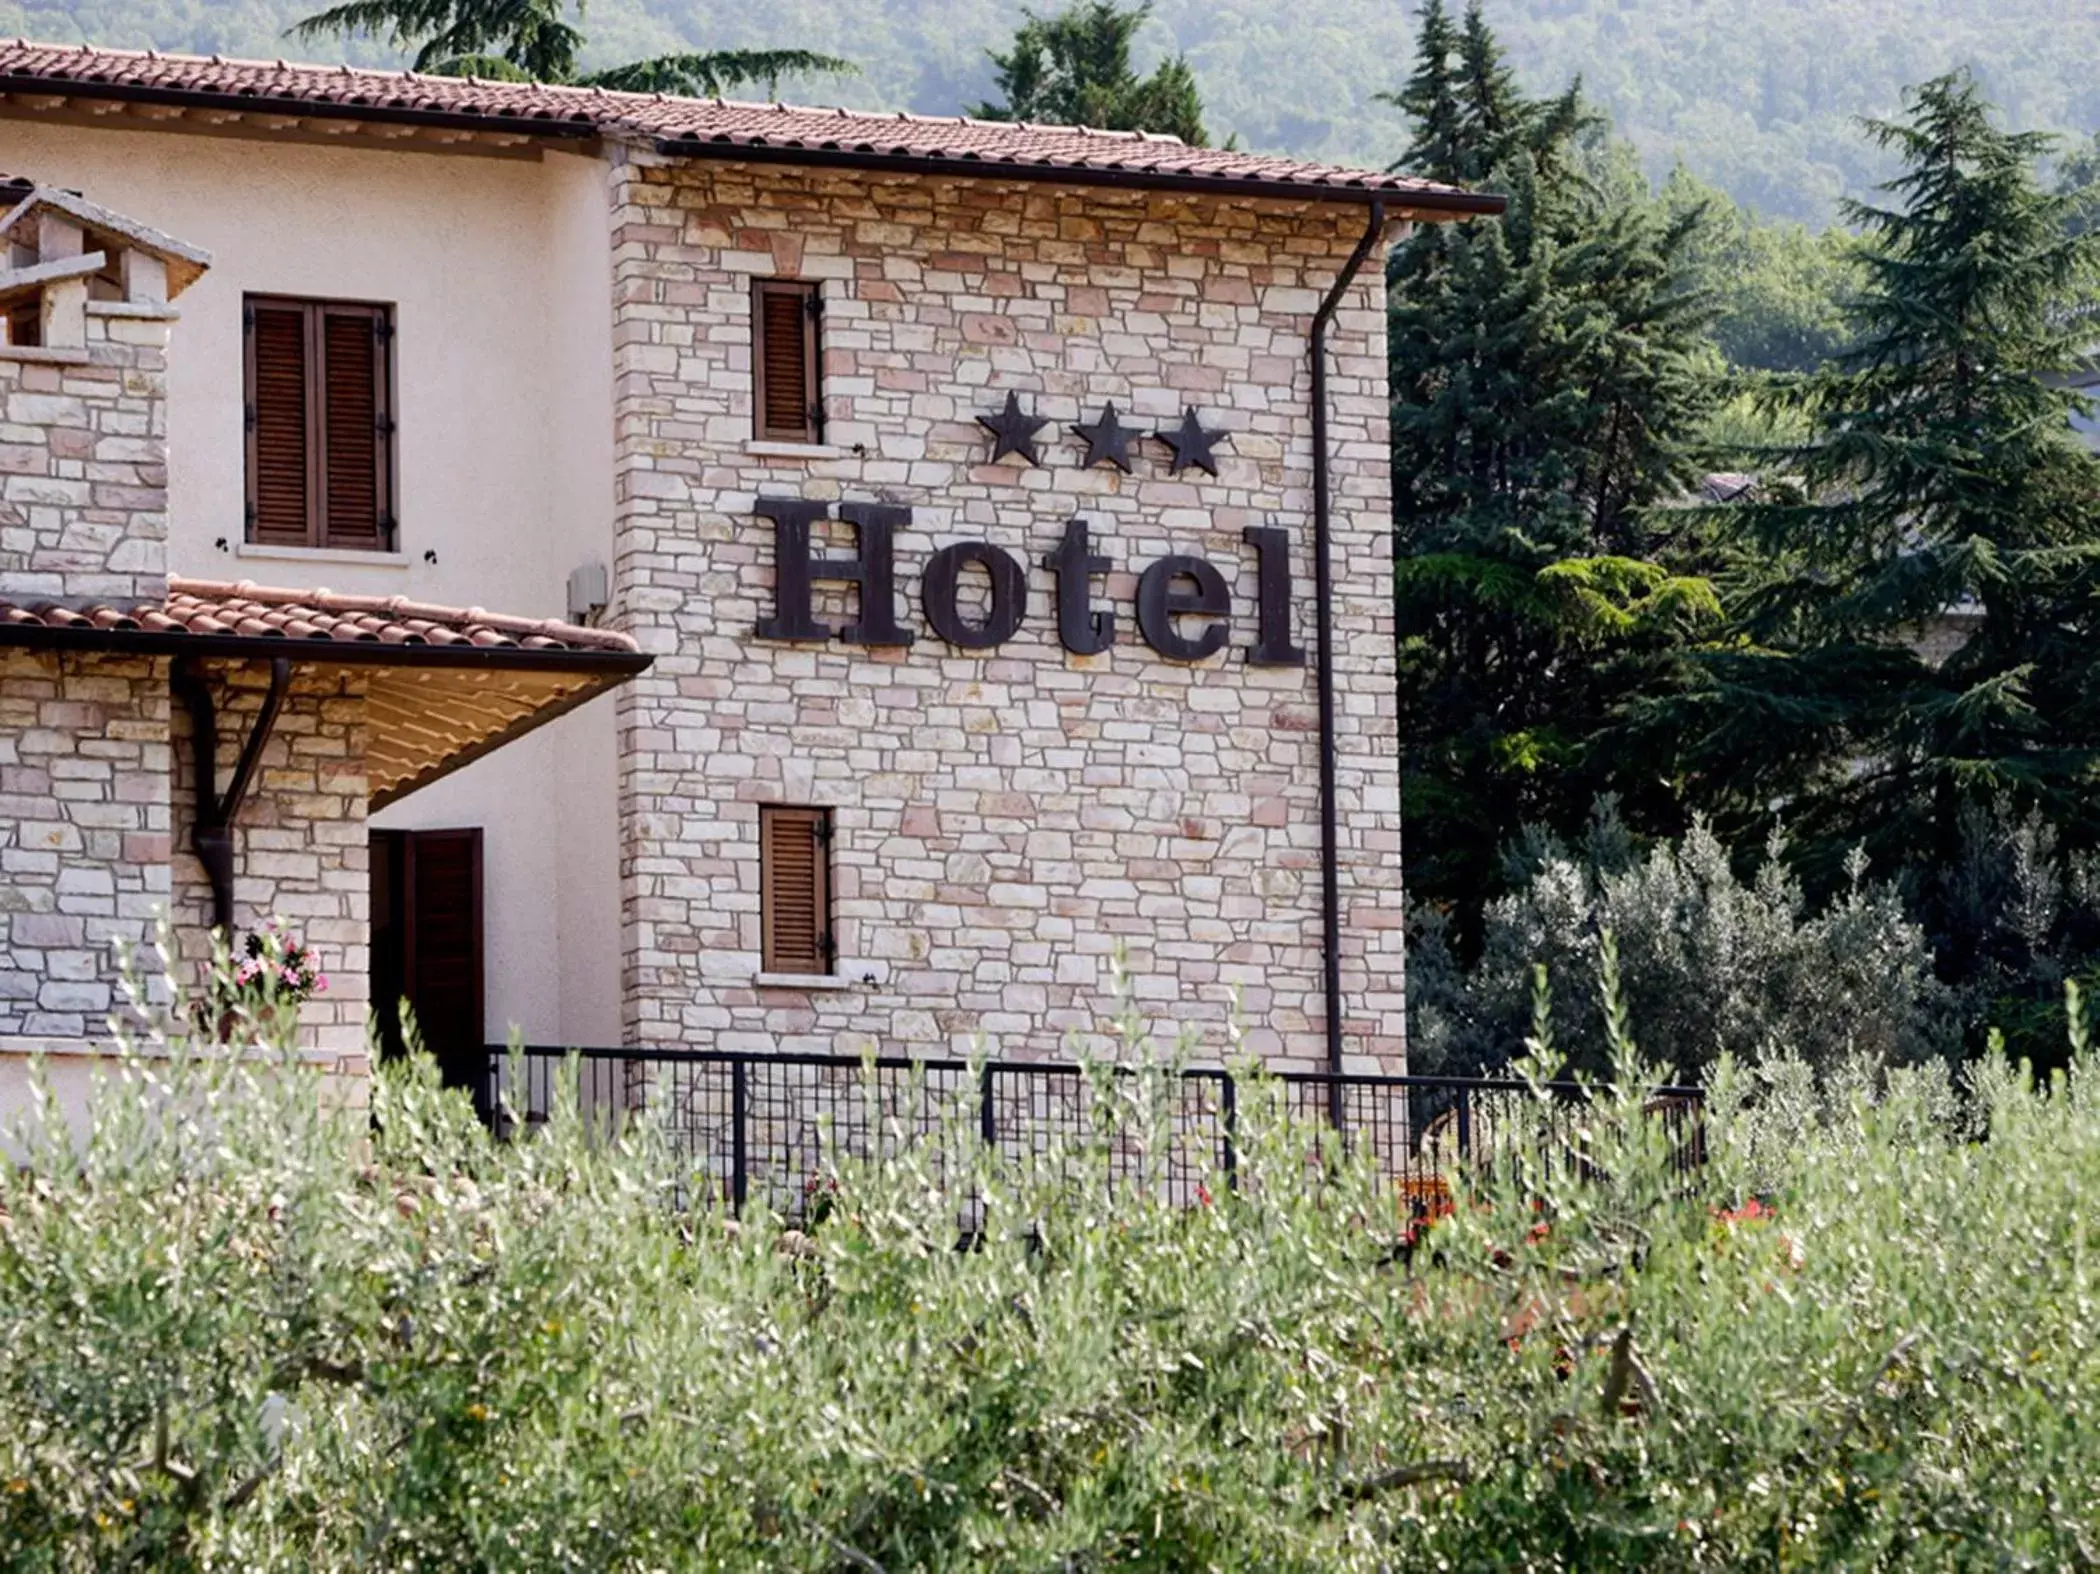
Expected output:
{"points": [[759, 1128]]}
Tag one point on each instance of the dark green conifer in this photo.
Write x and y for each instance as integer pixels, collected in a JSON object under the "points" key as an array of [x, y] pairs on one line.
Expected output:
{"points": [[534, 41], [1074, 69], [1546, 370], [1430, 101], [1497, 116], [1921, 622]]}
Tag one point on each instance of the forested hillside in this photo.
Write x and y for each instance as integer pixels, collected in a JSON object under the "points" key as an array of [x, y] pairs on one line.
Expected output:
{"points": [[1756, 97]]}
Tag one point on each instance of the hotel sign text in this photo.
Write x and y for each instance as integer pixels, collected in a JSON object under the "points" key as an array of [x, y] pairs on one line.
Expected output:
{"points": [[1171, 589]]}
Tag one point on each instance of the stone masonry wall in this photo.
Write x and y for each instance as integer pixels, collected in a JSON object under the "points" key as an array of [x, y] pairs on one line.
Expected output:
{"points": [[1007, 819], [85, 811], [84, 829], [83, 463], [300, 846]]}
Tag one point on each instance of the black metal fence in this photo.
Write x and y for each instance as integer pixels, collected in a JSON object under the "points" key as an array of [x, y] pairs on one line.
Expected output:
{"points": [[757, 1124]]}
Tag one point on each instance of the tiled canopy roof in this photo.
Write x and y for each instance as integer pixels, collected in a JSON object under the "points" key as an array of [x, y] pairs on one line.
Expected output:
{"points": [[250, 611], [717, 127], [442, 686]]}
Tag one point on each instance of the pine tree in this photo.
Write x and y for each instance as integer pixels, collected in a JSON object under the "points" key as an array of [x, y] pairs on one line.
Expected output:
{"points": [[534, 41], [1497, 118], [1074, 69], [1921, 624], [1430, 101], [1546, 372]]}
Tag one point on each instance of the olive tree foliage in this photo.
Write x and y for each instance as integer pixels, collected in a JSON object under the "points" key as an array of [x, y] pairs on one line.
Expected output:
{"points": [[1713, 963], [245, 1324]]}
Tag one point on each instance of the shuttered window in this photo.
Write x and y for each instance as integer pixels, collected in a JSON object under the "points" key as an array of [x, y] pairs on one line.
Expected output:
{"points": [[320, 424], [22, 325], [795, 890], [785, 321]]}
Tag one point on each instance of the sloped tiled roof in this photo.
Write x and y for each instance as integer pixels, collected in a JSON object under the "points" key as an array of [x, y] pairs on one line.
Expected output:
{"points": [[441, 686], [249, 611], [701, 127]]}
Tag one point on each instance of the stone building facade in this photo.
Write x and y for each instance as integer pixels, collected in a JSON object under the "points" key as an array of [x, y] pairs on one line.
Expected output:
{"points": [[96, 777], [1014, 608], [83, 511], [144, 715], [97, 794], [1008, 820], [85, 811]]}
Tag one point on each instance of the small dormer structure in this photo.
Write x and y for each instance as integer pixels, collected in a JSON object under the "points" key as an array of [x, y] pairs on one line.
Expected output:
{"points": [[84, 327], [62, 251]]}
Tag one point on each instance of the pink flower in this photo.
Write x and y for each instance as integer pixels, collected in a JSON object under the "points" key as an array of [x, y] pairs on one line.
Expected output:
{"points": [[321, 984]]}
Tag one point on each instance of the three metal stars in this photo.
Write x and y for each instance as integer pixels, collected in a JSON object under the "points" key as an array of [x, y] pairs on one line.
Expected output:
{"points": [[1107, 439]]}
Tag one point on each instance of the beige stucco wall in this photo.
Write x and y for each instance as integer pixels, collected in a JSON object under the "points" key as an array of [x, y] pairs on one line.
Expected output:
{"points": [[1007, 819], [497, 268]]}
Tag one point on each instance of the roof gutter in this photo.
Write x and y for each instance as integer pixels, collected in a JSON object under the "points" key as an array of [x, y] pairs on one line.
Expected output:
{"points": [[1455, 204], [1323, 588], [33, 84]]}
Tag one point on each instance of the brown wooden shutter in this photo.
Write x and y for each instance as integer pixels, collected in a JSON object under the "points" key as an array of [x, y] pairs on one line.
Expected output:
{"points": [[355, 450], [795, 889], [785, 359], [320, 424], [280, 489]]}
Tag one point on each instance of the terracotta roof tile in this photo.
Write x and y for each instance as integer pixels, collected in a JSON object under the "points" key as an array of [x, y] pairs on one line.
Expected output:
{"points": [[693, 124], [486, 680], [251, 611]]}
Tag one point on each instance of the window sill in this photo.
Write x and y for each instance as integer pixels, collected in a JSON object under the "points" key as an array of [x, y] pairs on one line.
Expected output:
{"points": [[322, 555], [46, 355], [760, 448], [809, 981], [146, 311]]}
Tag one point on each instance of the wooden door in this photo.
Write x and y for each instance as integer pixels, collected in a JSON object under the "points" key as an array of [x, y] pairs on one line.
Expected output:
{"points": [[426, 946]]}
